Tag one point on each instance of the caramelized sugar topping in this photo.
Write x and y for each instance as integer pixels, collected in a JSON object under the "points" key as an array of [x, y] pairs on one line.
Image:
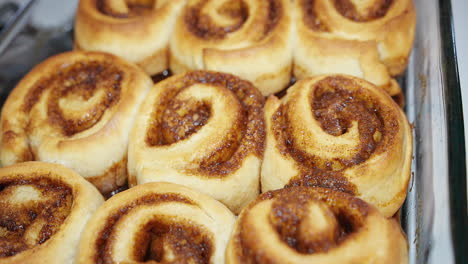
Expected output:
{"points": [[234, 14], [126, 8], [79, 95], [31, 212], [308, 220], [347, 8], [337, 103], [176, 118], [164, 241], [376, 10], [183, 118], [311, 19], [173, 242]]}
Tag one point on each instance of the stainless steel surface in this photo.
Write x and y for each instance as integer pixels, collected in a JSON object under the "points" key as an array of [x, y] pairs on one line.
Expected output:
{"points": [[13, 28], [427, 210], [426, 213], [460, 7]]}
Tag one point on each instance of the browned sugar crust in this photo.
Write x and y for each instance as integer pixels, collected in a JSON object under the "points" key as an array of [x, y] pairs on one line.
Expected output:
{"points": [[202, 26], [135, 8], [186, 241], [347, 9], [25, 224], [81, 79], [175, 120], [336, 102], [289, 217]]}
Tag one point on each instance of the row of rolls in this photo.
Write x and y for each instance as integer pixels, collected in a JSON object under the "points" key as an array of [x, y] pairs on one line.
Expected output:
{"points": [[262, 41], [315, 176], [50, 214]]}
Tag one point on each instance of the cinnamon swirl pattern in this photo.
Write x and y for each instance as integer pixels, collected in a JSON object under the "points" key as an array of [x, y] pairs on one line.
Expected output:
{"points": [[204, 130], [157, 223], [367, 39], [248, 38], [339, 132], [75, 109], [43, 210], [136, 30], [314, 225]]}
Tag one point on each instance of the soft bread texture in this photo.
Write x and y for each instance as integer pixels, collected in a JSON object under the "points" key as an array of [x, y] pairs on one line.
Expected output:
{"points": [[250, 38], [43, 211], [314, 225], [75, 109], [157, 223], [339, 132], [136, 30], [370, 39], [204, 130]]}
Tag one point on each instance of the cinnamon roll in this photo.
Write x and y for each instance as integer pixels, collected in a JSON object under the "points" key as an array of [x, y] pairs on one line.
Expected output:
{"points": [[248, 38], [339, 132], [157, 223], [43, 210], [76, 109], [204, 130], [314, 225], [368, 39], [136, 30]]}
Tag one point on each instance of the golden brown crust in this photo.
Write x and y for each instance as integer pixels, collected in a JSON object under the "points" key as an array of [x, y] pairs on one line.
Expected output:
{"points": [[137, 31], [161, 222], [76, 109], [370, 39], [204, 130], [314, 225], [43, 210], [250, 38], [339, 132]]}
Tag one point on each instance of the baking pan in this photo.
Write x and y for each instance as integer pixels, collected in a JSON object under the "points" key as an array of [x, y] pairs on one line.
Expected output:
{"points": [[434, 215]]}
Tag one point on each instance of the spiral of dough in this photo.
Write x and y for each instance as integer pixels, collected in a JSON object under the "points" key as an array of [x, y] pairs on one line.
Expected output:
{"points": [[339, 132], [43, 210], [314, 225], [248, 38], [157, 223], [76, 109], [370, 39], [204, 130], [136, 30]]}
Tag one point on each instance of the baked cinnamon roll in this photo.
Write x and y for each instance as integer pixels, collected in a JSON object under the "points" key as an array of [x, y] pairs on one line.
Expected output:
{"points": [[43, 210], [248, 38], [314, 225], [76, 109], [339, 132], [204, 130], [157, 223], [136, 30], [368, 39]]}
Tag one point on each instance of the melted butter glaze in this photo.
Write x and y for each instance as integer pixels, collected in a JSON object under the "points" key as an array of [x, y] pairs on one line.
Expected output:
{"points": [[185, 241], [82, 80], [31, 222], [136, 8], [337, 102], [204, 27], [176, 120], [290, 216]]}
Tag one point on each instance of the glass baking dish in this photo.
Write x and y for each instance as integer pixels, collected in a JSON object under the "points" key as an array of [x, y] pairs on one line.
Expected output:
{"points": [[435, 213]]}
